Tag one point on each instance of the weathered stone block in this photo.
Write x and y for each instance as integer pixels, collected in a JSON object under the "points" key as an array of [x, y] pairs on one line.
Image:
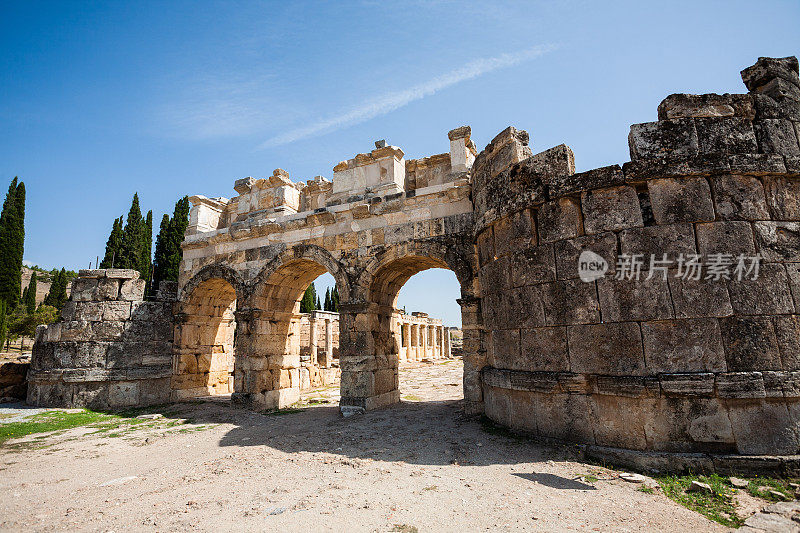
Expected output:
{"points": [[750, 344], [496, 276], [777, 136], [531, 265], [485, 245], [655, 241], [611, 209], [108, 289], [522, 307], [627, 386], [705, 106], [726, 136], [793, 272], [673, 138], [768, 294], [748, 420], [739, 198], [543, 349], [696, 384], [90, 354], [568, 251], [566, 417], [699, 298], [783, 197], [505, 347], [757, 164], [88, 311], [123, 394], [558, 219], [767, 69], [611, 349], [680, 200], [569, 302], [116, 310], [787, 333], [740, 385], [619, 421], [643, 299], [76, 330], [84, 289], [514, 232], [730, 237], [591, 179], [778, 241], [693, 345], [131, 290], [121, 273], [108, 330]]}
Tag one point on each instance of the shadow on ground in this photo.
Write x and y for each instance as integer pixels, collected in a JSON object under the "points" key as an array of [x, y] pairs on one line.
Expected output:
{"points": [[425, 433]]}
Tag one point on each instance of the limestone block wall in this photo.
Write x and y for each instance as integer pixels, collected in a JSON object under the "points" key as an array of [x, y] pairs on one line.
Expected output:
{"points": [[663, 362], [110, 349]]}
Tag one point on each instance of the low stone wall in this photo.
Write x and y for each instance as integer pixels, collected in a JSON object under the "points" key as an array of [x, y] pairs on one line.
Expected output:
{"points": [[111, 348], [585, 349]]}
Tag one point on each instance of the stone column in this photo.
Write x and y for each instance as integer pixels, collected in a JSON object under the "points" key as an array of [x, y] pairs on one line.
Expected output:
{"points": [[328, 343], [474, 353], [442, 332], [446, 343], [312, 338], [424, 331]]}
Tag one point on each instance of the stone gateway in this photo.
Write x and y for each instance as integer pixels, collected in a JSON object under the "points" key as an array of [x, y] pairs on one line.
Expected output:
{"points": [[677, 336]]}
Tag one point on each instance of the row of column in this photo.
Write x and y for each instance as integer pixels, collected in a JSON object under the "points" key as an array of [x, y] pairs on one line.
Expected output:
{"points": [[418, 339], [321, 352]]}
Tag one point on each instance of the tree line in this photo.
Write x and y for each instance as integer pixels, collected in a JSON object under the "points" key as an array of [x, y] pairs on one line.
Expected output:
{"points": [[19, 314], [310, 301], [130, 244]]}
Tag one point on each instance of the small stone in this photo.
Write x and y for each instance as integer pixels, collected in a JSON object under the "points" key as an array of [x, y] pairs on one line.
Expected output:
{"points": [[632, 478], [697, 486], [739, 483], [778, 495]]}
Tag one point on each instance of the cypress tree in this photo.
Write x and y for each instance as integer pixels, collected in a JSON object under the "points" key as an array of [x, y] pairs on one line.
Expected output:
{"points": [[309, 300], [132, 237], [317, 304], [12, 244], [168, 253], [160, 256], [3, 323], [145, 266], [29, 297], [57, 295], [327, 306], [113, 246], [335, 299]]}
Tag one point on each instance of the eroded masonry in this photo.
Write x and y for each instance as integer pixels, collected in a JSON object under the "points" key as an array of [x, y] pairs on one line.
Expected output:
{"points": [[580, 322]]}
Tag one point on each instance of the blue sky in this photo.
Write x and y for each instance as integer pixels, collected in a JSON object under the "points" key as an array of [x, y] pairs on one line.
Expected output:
{"points": [[99, 100]]}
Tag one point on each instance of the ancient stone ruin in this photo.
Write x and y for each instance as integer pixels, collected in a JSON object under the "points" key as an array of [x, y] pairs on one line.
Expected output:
{"points": [[580, 323]]}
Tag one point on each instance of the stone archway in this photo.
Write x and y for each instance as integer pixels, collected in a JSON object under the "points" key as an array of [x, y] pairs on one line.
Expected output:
{"points": [[269, 373], [369, 320], [205, 326]]}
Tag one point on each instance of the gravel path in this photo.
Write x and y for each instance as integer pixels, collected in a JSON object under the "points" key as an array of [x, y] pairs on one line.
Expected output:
{"points": [[419, 464]]}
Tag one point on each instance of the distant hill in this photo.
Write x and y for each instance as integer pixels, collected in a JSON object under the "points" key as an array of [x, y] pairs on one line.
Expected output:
{"points": [[43, 281]]}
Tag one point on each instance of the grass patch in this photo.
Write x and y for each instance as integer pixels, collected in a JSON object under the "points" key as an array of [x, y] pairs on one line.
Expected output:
{"points": [[404, 528], [760, 487], [646, 490], [431, 487], [591, 479], [52, 421], [718, 506], [412, 398]]}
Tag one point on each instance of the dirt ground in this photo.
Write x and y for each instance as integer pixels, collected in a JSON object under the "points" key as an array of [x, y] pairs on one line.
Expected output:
{"points": [[420, 464]]}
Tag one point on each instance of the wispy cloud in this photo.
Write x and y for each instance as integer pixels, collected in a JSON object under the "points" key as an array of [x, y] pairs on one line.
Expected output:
{"points": [[395, 100]]}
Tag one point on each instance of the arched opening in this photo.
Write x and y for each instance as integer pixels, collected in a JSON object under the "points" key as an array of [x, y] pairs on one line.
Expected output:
{"points": [[430, 366], [370, 361], [203, 363], [288, 351]]}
